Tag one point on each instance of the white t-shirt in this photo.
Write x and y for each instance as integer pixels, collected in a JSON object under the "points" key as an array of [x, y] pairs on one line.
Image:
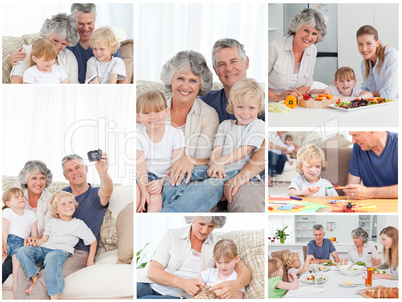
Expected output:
{"points": [[335, 91], [232, 137], [300, 183], [105, 69], [64, 235], [290, 148], [33, 76], [19, 225], [210, 277], [159, 155]]}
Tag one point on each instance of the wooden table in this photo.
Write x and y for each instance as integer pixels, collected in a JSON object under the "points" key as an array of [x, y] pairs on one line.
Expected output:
{"points": [[382, 205]]}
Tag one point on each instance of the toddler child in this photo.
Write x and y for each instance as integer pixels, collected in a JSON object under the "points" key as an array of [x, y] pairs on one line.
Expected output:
{"points": [[61, 235], [310, 163], [276, 287], [292, 263], [158, 146], [42, 68], [290, 147], [345, 85], [226, 257], [109, 69], [18, 224]]}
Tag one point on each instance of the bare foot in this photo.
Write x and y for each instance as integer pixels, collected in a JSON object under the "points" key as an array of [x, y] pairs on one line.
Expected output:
{"points": [[55, 297], [30, 289]]}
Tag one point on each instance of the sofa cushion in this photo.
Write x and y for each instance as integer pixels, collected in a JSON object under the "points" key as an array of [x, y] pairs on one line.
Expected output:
{"points": [[108, 235], [338, 165], [125, 232], [127, 52]]}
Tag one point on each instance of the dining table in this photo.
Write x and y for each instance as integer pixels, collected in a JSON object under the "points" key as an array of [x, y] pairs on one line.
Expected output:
{"points": [[334, 286], [330, 204]]}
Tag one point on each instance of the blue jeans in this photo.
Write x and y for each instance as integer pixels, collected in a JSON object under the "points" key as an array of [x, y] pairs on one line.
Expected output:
{"points": [[14, 243], [276, 163], [200, 196], [145, 291], [52, 260]]}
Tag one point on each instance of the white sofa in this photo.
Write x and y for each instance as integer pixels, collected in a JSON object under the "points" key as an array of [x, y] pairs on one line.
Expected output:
{"points": [[106, 279]]}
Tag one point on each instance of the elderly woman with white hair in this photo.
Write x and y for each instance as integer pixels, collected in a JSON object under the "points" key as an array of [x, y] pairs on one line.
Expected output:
{"points": [[362, 246], [180, 258], [291, 59], [61, 30]]}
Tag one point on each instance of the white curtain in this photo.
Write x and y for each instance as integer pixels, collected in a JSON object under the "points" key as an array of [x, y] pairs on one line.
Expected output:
{"points": [[162, 30], [50, 122]]}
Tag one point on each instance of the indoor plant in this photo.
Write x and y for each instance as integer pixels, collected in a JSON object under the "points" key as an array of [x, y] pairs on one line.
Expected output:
{"points": [[281, 234]]}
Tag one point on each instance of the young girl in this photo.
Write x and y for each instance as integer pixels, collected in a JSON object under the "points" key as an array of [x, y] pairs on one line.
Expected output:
{"points": [[310, 163], [61, 234], [42, 68], [158, 146], [18, 224], [226, 257], [380, 66], [109, 69], [389, 240], [292, 263], [276, 287], [290, 147]]}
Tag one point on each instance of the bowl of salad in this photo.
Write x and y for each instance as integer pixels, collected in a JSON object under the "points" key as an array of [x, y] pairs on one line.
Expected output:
{"points": [[353, 270]]}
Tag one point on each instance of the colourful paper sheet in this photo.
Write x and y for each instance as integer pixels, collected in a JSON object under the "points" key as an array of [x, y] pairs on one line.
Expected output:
{"points": [[286, 207]]}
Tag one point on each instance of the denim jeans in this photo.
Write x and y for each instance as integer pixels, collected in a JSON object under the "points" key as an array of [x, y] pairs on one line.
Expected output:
{"points": [[52, 260], [199, 196], [145, 291], [14, 243], [276, 163], [7, 268]]}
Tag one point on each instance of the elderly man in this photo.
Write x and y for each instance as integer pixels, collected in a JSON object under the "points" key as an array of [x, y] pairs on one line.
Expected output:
{"points": [[93, 203], [321, 248], [230, 63], [374, 161], [85, 15]]}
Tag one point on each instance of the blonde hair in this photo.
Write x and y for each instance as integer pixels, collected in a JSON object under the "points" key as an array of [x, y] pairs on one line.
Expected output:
{"points": [[42, 48], [105, 35], [151, 100], [10, 193], [57, 196], [392, 252], [243, 90], [289, 258], [225, 249], [274, 264], [345, 73], [309, 153], [380, 50]]}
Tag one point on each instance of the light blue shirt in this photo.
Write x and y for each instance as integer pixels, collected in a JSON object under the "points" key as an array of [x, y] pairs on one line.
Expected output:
{"points": [[386, 79]]}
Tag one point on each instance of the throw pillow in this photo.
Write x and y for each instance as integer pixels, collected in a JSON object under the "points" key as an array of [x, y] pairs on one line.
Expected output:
{"points": [[125, 232], [108, 236]]}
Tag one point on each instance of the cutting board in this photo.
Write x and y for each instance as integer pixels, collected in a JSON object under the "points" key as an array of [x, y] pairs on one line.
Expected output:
{"points": [[362, 292], [313, 104]]}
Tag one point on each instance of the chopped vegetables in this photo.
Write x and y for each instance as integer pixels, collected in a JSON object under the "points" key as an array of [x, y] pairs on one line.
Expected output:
{"points": [[356, 103]]}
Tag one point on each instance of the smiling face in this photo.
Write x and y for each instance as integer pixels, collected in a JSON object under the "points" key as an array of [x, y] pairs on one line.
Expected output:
{"points": [[364, 139], [225, 266], [185, 86], [65, 207], [246, 111], [345, 86], [18, 201], [75, 172], [36, 183], [229, 66], [43, 65], [318, 236], [367, 46], [312, 170], [386, 241], [102, 52], [305, 36], [357, 241], [153, 119], [59, 43], [86, 25], [200, 229]]}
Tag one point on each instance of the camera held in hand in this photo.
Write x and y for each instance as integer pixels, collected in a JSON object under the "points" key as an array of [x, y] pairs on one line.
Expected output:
{"points": [[95, 155]]}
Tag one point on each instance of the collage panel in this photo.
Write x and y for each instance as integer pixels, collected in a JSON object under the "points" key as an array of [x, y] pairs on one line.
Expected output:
{"points": [[333, 256], [214, 108], [324, 69], [178, 255], [69, 161]]}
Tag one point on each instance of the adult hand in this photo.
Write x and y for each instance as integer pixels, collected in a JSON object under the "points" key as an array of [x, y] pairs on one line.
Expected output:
{"points": [[4, 248], [216, 171], [226, 289], [356, 191], [232, 186], [30, 241], [286, 93], [104, 161], [16, 57], [192, 286], [179, 168]]}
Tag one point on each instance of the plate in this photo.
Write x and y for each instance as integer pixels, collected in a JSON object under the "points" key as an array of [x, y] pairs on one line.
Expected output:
{"points": [[359, 108], [303, 279], [320, 268], [351, 285]]}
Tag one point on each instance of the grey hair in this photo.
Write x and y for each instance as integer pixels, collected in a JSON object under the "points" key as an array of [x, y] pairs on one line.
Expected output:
{"points": [[83, 8], [360, 232], [311, 17], [318, 227], [218, 221], [34, 166], [71, 157], [228, 43], [184, 61], [63, 26]]}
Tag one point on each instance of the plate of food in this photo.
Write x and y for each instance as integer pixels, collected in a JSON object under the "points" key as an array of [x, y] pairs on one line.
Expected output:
{"points": [[379, 272], [359, 103], [310, 279], [330, 263], [348, 283], [320, 268]]}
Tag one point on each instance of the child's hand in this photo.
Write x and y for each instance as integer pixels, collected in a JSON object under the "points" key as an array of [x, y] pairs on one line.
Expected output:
{"points": [[216, 171], [30, 241], [325, 91], [293, 277], [4, 248], [90, 262], [309, 257], [311, 190], [155, 186], [144, 199]]}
